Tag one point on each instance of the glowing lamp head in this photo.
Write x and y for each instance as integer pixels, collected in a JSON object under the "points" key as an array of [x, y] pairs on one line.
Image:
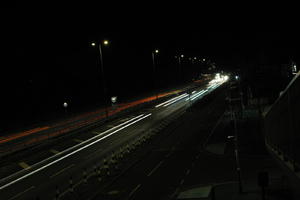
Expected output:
{"points": [[114, 99], [156, 51], [105, 42], [65, 104], [93, 44]]}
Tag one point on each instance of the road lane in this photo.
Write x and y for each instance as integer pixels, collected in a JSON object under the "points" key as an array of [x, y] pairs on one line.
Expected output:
{"points": [[136, 129], [172, 160]]}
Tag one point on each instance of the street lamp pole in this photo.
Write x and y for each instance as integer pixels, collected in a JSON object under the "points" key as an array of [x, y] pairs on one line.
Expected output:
{"points": [[154, 72], [180, 57], [179, 65], [103, 81], [105, 42]]}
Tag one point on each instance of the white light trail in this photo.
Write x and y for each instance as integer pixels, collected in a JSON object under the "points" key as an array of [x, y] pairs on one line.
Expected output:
{"points": [[139, 118], [185, 95], [169, 100], [199, 94]]}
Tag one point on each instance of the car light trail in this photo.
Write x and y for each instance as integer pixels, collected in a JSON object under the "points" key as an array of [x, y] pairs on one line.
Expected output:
{"points": [[169, 100], [200, 92], [133, 121], [185, 95], [197, 95]]}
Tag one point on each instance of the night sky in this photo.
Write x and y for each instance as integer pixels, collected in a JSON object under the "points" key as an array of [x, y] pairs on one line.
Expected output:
{"points": [[48, 58]]}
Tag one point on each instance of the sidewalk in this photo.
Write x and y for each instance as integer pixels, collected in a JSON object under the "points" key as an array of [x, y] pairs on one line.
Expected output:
{"points": [[230, 192], [253, 159]]}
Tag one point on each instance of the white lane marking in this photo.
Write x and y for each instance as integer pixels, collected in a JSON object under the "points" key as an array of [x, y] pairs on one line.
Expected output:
{"points": [[61, 171], [176, 100], [155, 168], [84, 147], [21, 193], [77, 140], [54, 151], [24, 165], [182, 181], [175, 193], [169, 154], [170, 100], [134, 190], [187, 172], [101, 133]]}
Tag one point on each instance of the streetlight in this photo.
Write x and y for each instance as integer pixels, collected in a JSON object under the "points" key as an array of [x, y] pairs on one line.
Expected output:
{"points": [[156, 51], [179, 65], [105, 43], [65, 105]]}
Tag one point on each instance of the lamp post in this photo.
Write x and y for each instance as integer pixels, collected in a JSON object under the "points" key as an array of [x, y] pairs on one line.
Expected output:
{"points": [[105, 43], [156, 51], [179, 65], [65, 105]]}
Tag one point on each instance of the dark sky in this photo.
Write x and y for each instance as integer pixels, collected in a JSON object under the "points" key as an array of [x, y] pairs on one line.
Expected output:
{"points": [[48, 58]]}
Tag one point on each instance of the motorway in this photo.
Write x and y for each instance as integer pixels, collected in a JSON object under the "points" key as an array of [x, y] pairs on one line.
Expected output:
{"points": [[50, 172], [11, 142]]}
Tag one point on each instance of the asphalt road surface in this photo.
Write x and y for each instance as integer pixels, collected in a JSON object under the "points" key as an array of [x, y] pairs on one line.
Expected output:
{"points": [[58, 171]]}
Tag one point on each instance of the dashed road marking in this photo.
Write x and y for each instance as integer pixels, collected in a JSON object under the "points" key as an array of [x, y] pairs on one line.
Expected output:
{"points": [[95, 132], [21, 193], [77, 140], [187, 172], [175, 193], [182, 181], [24, 165], [125, 119], [169, 154], [134, 190], [54, 151], [62, 170], [155, 168]]}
